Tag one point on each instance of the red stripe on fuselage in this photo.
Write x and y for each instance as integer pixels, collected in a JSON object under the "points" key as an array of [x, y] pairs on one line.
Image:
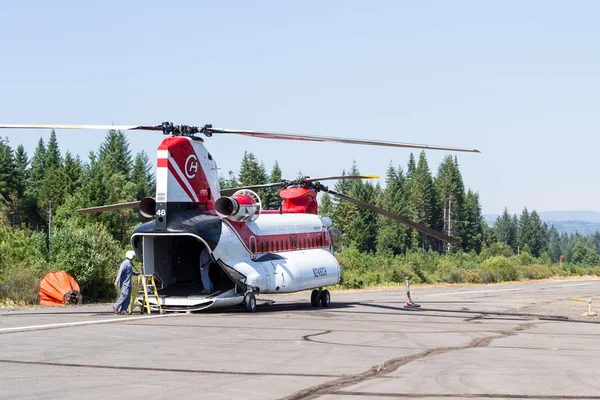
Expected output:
{"points": [[162, 162]]}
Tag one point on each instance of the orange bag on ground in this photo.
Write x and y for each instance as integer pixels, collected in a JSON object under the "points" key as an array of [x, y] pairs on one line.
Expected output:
{"points": [[59, 288]]}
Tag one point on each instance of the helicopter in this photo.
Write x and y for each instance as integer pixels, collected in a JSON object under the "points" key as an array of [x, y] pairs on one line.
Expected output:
{"points": [[252, 251]]}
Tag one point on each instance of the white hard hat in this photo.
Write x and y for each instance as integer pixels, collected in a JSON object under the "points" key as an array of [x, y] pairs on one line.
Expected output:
{"points": [[130, 255]]}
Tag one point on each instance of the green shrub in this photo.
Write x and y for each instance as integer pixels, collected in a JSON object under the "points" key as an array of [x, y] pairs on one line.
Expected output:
{"points": [[499, 269], [21, 283], [536, 271], [91, 256], [496, 249], [22, 264], [449, 272], [473, 276], [524, 258]]}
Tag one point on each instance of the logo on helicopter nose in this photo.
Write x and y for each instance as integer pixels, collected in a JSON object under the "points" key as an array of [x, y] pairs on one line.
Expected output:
{"points": [[191, 166]]}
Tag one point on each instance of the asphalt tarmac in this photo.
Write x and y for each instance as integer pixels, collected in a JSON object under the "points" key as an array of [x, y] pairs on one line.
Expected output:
{"points": [[508, 341]]}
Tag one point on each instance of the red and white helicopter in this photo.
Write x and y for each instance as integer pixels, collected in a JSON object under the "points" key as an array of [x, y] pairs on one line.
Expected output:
{"points": [[253, 251]]}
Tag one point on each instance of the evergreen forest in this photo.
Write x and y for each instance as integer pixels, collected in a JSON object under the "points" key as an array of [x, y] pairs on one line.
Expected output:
{"points": [[41, 232]]}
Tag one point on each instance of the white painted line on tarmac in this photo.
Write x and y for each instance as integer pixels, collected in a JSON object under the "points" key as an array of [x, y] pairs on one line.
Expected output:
{"points": [[471, 291], [80, 323], [574, 284]]}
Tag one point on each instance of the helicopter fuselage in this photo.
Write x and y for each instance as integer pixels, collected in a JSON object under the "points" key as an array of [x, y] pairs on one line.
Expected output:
{"points": [[272, 252]]}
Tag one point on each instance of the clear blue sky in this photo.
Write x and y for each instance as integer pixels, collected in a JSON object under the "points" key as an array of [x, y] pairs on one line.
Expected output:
{"points": [[518, 80]]}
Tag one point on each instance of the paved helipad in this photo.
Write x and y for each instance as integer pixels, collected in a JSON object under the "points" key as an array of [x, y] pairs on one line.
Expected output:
{"points": [[500, 341]]}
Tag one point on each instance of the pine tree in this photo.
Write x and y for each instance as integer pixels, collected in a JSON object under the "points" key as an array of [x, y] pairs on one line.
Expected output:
{"points": [[343, 185], [450, 193], [96, 192], [52, 157], [517, 231], [489, 235], [8, 172], [537, 242], [115, 154], [38, 163], [344, 211], [472, 237], [505, 229], [73, 173], [391, 235], [421, 203], [142, 177], [583, 253], [21, 165], [229, 182], [326, 206], [412, 166], [554, 250], [272, 199], [51, 190], [526, 230], [362, 233], [251, 172]]}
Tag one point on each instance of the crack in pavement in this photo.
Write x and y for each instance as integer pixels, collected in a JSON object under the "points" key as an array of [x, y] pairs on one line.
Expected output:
{"points": [[465, 396], [179, 370], [392, 365]]}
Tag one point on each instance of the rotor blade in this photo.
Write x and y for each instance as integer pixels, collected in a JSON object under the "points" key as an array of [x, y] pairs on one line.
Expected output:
{"points": [[395, 217], [310, 138], [110, 207], [231, 191], [329, 178], [102, 127]]}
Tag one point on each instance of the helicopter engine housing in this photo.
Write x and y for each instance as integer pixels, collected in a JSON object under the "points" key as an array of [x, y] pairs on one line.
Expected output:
{"points": [[243, 206], [148, 207]]}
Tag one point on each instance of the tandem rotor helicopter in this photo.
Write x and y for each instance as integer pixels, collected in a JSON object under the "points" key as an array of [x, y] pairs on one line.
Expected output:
{"points": [[253, 251]]}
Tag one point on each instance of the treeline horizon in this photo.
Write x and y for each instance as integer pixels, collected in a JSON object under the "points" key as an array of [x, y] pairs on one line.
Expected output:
{"points": [[44, 190]]}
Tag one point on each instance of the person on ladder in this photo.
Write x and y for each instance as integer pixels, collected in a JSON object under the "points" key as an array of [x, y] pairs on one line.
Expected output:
{"points": [[124, 282], [204, 269]]}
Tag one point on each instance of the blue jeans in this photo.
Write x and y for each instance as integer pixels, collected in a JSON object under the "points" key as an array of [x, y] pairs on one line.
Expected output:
{"points": [[122, 305]]}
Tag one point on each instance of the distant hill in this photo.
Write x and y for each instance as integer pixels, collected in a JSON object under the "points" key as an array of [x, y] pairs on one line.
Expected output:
{"points": [[584, 222], [589, 216]]}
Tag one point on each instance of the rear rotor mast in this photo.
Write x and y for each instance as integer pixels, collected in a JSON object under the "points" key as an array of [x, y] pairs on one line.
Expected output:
{"points": [[168, 128]]}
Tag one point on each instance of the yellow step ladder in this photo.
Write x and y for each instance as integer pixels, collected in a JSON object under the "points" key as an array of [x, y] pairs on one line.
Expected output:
{"points": [[145, 286]]}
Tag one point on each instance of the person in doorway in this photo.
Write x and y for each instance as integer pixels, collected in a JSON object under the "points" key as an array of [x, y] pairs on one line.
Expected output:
{"points": [[204, 269], [124, 282]]}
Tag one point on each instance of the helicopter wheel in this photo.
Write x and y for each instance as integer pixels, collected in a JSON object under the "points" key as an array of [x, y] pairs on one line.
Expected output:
{"points": [[250, 302], [314, 298], [325, 298]]}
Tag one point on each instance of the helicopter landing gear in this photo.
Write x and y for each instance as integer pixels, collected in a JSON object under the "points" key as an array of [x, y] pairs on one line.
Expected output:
{"points": [[320, 298], [250, 302], [325, 298], [314, 298]]}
